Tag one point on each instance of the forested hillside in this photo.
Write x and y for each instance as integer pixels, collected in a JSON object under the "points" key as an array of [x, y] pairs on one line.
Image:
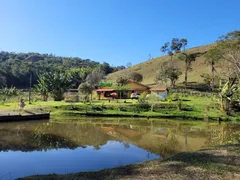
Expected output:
{"points": [[16, 67]]}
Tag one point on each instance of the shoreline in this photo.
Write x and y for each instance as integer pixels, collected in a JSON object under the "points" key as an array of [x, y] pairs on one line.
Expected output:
{"points": [[221, 162], [154, 115]]}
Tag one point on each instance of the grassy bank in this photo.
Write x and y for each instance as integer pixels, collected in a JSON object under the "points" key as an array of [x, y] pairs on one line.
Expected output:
{"points": [[198, 108], [221, 162]]}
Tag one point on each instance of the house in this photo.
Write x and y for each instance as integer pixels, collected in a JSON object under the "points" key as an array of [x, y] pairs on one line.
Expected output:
{"points": [[107, 91], [161, 92]]}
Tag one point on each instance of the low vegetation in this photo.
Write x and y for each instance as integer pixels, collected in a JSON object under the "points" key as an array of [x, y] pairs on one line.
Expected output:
{"points": [[178, 106]]}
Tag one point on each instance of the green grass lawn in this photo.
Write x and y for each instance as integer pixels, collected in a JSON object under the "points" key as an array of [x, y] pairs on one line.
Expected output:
{"points": [[197, 104]]}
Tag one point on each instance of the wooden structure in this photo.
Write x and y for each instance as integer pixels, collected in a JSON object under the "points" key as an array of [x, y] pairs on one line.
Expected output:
{"points": [[13, 116]]}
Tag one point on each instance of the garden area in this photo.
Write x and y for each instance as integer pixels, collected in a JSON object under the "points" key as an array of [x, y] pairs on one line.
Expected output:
{"points": [[177, 106]]}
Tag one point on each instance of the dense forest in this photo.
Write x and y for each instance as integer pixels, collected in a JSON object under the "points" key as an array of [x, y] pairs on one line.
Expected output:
{"points": [[17, 68]]}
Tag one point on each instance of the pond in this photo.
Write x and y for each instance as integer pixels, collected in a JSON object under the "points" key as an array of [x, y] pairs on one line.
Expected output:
{"points": [[75, 145]]}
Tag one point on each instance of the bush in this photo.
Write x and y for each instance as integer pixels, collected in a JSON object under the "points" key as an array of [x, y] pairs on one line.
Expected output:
{"points": [[142, 97], [143, 107]]}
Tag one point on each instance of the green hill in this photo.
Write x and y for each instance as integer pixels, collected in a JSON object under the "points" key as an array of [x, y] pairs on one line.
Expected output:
{"points": [[150, 68]]}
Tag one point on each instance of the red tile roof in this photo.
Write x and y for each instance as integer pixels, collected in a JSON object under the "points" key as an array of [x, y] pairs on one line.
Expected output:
{"points": [[107, 89]]}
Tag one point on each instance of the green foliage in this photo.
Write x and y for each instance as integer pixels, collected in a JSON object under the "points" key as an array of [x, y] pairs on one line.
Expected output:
{"points": [[229, 48], [85, 89], [6, 93], [134, 76], [3, 79], [188, 58], [79, 75], [174, 47], [207, 78], [43, 86], [168, 72], [142, 97], [143, 106], [55, 83], [227, 94], [16, 67], [94, 78], [153, 99], [121, 81]]}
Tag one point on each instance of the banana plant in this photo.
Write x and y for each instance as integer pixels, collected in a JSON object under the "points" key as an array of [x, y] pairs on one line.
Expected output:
{"points": [[227, 92]]}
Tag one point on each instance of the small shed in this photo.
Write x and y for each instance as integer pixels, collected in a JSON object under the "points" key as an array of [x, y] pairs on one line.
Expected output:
{"points": [[162, 92]]}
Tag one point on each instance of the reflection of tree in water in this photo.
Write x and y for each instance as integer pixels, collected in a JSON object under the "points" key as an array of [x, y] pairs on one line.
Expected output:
{"points": [[28, 141], [125, 145], [81, 134], [52, 136], [169, 146], [224, 134]]}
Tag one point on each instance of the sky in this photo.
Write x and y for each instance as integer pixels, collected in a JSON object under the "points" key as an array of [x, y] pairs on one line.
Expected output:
{"points": [[114, 31]]}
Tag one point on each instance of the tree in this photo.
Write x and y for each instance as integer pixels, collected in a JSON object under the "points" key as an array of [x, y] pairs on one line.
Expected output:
{"points": [[43, 87], [134, 76], [177, 44], [168, 72], [106, 68], [188, 59], [212, 57], [161, 75], [207, 79], [55, 83], [174, 47], [229, 49], [129, 65], [85, 89], [165, 48], [121, 81], [173, 74], [153, 99], [94, 78], [227, 92], [8, 93], [2, 79], [79, 75], [16, 69]]}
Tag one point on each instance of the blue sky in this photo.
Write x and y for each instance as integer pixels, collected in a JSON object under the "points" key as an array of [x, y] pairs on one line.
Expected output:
{"points": [[115, 31]]}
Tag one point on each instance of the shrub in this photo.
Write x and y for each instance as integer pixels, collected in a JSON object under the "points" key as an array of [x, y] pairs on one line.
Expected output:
{"points": [[143, 107], [142, 97]]}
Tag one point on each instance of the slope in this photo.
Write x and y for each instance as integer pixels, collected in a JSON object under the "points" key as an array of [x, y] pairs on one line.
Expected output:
{"points": [[150, 68]]}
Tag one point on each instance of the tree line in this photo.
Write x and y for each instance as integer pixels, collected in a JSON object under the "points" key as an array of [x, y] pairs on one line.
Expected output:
{"points": [[17, 68]]}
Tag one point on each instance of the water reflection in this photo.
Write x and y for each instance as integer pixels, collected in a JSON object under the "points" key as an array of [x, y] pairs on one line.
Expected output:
{"points": [[163, 138], [81, 146]]}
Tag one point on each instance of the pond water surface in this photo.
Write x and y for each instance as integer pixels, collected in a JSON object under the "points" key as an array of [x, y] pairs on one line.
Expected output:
{"points": [[43, 147]]}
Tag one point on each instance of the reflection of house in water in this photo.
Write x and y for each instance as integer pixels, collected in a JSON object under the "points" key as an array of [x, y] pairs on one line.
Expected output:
{"points": [[122, 132], [160, 140]]}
